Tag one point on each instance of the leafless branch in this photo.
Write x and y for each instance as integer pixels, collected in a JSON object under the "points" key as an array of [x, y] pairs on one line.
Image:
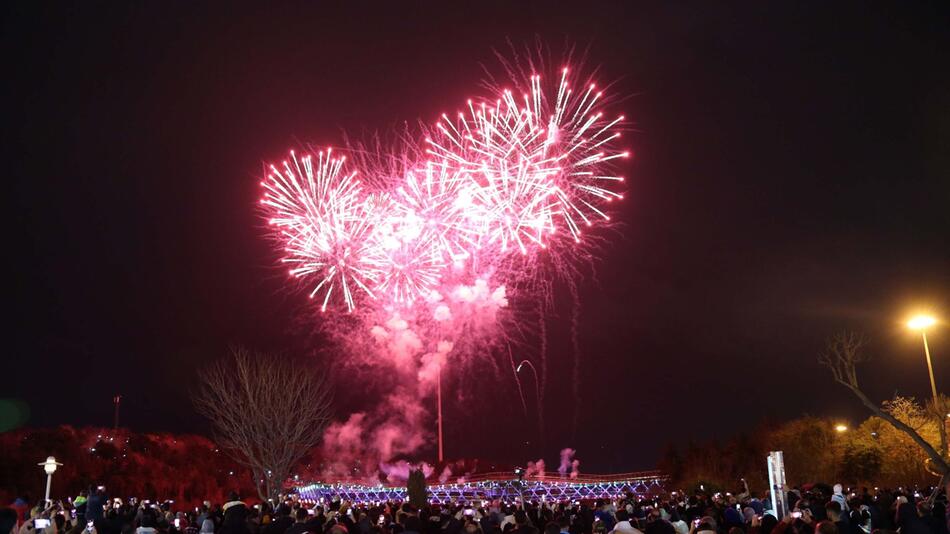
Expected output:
{"points": [[843, 353], [265, 411]]}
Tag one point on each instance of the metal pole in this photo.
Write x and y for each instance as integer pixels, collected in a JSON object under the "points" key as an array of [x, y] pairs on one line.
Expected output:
{"points": [[115, 421], [941, 416], [439, 395], [930, 368], [49, 479]]}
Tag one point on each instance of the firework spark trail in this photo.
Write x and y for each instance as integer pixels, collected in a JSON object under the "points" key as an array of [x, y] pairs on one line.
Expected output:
{"points": [[421, 250], [514, 373]]}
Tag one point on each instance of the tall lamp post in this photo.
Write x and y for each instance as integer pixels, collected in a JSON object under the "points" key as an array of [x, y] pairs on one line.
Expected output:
{"points": [[49, 466], [439, 409], [922, 323]]}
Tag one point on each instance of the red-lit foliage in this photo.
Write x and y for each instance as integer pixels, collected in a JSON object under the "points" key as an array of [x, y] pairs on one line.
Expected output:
{"points": [[186, 468]]}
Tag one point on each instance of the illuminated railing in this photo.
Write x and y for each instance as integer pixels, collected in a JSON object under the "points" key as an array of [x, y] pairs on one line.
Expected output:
{"points": [[501, 486]]}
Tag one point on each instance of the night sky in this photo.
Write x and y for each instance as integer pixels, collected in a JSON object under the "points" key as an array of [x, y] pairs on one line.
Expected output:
{"points": [[791, 178]]}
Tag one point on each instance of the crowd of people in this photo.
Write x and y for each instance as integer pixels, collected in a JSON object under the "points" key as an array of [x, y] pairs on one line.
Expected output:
{"points": [[814, 510]]}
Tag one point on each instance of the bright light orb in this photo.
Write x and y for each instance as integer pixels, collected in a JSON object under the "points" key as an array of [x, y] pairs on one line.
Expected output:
{"points": [[921, 322]]}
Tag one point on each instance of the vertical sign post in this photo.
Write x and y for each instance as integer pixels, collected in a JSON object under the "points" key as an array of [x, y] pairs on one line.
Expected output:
{"points": [[776, 464]]}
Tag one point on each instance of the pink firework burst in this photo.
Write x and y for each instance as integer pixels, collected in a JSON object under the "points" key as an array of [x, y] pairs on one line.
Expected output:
{"points": [[507, 176], [323, 224], [535, 162], [432, 194], [403, 253]]}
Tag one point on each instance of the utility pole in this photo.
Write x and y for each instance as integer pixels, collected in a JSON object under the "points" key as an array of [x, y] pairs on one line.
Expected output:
{"points": [[115, 420]]}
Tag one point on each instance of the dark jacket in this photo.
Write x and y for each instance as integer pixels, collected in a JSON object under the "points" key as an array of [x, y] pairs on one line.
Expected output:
{"points": [[908, 520], [279, 525], [94, 506], [235, 518]]}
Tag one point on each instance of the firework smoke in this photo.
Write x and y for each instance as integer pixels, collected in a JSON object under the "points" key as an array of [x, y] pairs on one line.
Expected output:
{"points": [[535, 469], [569, 465], [415, 260]]}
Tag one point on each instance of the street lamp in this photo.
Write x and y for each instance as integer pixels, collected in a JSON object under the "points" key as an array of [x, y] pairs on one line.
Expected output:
{"points": [[922, 323], [841, 428], [439, 408], [49, 466]]}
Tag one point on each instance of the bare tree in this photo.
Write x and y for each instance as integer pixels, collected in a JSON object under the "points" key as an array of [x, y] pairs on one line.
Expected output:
{"points": [[265, 411], [843, 353]]}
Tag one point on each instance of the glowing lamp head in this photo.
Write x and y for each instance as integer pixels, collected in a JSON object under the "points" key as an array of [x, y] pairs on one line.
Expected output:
{"points": [[841, 428], [49, 465], [921, 322]]}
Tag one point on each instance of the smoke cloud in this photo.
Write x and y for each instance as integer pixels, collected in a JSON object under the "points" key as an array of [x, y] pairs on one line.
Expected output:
{"points": [[406, 352], [569, 465], [535, 469]]}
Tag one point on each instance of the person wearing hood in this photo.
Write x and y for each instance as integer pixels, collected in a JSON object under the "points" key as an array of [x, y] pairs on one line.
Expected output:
{"points": [[838, 497], [235, 516]]}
